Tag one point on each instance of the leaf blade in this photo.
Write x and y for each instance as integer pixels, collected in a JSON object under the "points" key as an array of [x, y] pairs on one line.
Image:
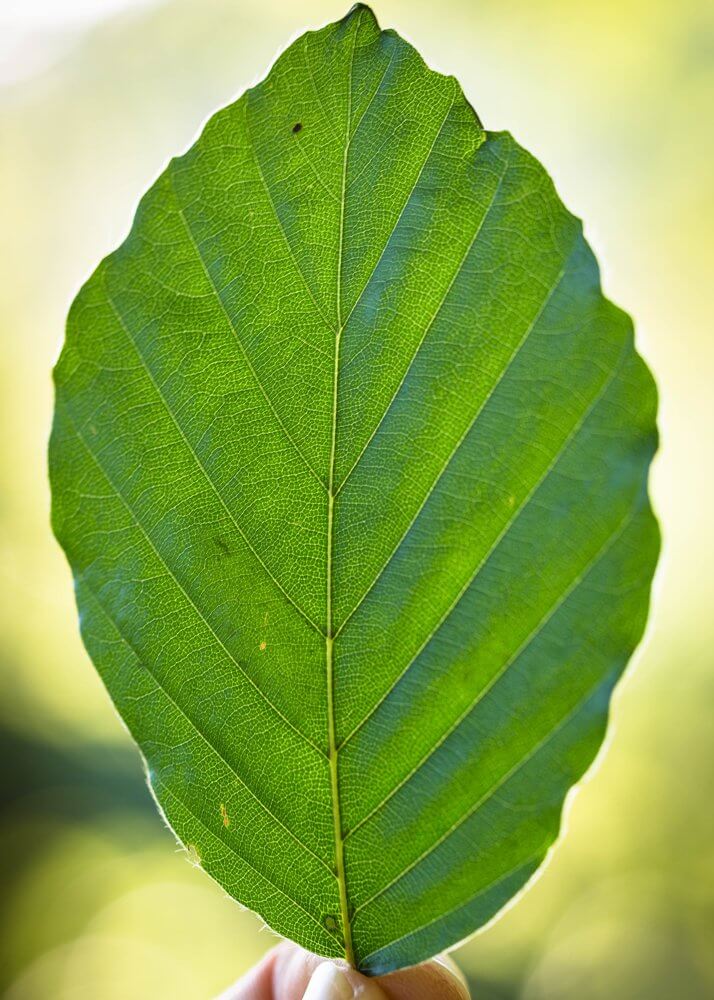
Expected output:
{"points": [[349, 461]]}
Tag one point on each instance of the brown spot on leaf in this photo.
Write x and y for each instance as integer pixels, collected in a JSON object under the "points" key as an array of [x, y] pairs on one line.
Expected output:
{"points": [[297, 127]]}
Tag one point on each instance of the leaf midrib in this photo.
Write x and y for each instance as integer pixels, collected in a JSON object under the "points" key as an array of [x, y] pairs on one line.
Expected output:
{"points": [[333, 748]]}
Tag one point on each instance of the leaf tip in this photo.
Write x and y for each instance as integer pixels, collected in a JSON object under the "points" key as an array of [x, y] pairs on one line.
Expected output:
{"points": [[356, 11], [358, 8]]}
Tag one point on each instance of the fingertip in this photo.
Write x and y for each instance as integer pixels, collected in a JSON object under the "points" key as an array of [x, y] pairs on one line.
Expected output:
{"points": [[290, 973], [438, 979], [328, 982], [300, 975]]}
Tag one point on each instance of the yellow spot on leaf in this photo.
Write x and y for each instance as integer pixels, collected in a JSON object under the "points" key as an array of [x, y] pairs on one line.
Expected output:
{"points": [[263, 646], [224, 816]]}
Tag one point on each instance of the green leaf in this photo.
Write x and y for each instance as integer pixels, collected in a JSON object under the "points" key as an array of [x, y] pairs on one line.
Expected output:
{"points": [[349, 461]]}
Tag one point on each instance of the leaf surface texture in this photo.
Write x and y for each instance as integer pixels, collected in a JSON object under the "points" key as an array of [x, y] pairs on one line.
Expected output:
{"points": [[349, 461]]}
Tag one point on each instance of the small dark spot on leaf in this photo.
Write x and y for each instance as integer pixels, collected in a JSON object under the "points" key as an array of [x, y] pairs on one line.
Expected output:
{"points": [[223, 546], [297, 127]]}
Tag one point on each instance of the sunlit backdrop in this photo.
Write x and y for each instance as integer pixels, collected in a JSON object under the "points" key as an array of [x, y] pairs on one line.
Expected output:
{"points": [[616, 97]]}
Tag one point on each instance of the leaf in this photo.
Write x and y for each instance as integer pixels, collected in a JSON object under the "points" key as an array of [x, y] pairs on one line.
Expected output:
{"points": [[349, 461]]}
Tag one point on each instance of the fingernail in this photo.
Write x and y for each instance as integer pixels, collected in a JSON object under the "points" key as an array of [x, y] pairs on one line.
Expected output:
{"points": [[328, 982], [369, 991]]}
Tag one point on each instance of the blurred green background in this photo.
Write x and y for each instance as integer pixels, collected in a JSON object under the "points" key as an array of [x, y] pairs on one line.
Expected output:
{"points": [[616, 97]]}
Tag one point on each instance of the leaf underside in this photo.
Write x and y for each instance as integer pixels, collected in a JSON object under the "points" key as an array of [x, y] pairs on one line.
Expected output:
{"points": [[349, 461]]}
